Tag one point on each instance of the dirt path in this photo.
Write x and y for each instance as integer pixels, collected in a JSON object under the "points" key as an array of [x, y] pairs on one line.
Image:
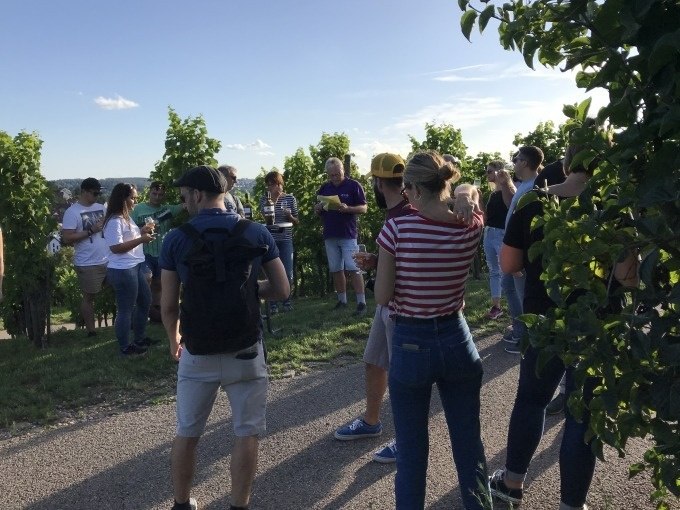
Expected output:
{"points": [[122, 461]]}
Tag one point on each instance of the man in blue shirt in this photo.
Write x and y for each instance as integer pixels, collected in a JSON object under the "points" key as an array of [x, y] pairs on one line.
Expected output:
{"points": [[242, 374]]}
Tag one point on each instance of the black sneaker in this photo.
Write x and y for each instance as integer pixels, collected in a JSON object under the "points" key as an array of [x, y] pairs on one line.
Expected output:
{"points": [[503, 492], [189, 505], [146, 342], [513, 348], [132, 351], [556, 405], [361, 310], [340, 306]]}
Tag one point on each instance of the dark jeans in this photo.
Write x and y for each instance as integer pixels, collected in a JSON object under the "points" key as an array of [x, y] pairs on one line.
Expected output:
{"points": [[286, 256], [577, 462], [441, 352], [133, 296]]}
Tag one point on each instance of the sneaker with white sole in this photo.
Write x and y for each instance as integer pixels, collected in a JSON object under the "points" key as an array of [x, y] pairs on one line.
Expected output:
{"points": [[503, 492], [513, 347], [193, 505], [358, 429], [387, 454]]}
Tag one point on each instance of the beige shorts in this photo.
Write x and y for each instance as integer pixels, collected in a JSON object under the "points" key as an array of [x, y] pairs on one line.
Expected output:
{"points": [[91, 278]]}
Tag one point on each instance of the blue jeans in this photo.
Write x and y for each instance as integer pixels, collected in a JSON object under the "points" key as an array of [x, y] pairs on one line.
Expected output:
{"points": [[286, 256], [132, 295], [493, 238], [577, 461], [513, 290], [437, 351]]}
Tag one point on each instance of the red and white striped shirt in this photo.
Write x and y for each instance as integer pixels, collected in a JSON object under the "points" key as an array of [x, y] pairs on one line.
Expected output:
{"points": [[432, 263]]}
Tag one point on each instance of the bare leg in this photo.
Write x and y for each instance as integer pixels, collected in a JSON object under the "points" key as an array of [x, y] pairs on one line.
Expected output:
{"points": [[87, 311], [243, 468], [183, 460], [358, 283], [340, 282], [376, 385]]}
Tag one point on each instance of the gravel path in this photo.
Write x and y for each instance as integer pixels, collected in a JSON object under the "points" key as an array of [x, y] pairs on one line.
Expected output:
{"points": [[122, 461]]}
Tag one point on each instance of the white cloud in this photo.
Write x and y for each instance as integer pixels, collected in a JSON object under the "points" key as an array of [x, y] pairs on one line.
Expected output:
{"points": [[117, 103], [257, 145], [266, 153]]}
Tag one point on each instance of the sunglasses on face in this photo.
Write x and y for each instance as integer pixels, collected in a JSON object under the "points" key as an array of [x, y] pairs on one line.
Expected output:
{"points": [[490, 171], [516, 159], [232, 177], [95, 192]]}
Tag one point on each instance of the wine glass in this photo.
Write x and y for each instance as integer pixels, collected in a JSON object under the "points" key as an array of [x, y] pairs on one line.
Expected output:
{"points": [[357, 253]]}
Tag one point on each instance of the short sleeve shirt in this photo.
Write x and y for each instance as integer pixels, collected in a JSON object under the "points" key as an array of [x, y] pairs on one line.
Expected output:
{"points": [[177, 244], [336, 224], [118, 230], [162, 215], [93, 250]]}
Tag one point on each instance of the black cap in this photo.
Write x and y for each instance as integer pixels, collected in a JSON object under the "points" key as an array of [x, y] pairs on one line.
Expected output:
{"points": [[203, 178], [91, 184]]}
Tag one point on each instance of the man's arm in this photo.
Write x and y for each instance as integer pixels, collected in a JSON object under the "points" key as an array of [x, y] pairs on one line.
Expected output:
{"points": [[353, 209], [276, 287], [385, 277], [170, 285], [512, 259]]}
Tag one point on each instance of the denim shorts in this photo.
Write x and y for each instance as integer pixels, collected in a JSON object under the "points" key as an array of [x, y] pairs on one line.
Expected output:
{"points": [[339, 253], [244, 381]]}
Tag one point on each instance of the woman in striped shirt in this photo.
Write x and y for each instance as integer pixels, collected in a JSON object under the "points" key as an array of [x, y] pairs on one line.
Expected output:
{"points": [[285, 211], [422, 268]]}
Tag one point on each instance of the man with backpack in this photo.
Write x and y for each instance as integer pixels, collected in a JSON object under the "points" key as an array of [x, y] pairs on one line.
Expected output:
{"points": [[216, 332]]}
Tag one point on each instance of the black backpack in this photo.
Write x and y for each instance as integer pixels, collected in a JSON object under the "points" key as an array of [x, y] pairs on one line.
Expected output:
{"points": [[220, 309]]}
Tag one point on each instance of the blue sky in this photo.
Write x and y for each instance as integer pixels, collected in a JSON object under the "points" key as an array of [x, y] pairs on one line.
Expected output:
{"points": [[95, 79]]}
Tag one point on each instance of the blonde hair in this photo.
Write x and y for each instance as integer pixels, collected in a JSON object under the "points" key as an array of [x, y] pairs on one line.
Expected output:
{"points": [[430, 172], [469, 189]]}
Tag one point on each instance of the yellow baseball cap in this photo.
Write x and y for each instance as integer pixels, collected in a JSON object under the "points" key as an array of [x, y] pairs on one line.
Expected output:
{"points": [[387, 166]]}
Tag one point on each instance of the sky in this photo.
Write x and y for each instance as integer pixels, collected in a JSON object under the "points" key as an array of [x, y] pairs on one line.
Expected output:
{"points": [[95, 79]]}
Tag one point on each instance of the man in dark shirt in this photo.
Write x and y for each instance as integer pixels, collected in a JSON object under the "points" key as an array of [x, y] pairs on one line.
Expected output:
{"points": [[340, 231]]}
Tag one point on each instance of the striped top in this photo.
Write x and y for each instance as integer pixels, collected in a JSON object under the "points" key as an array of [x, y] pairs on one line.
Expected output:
{"points": [[287, 201], [432, 263]]}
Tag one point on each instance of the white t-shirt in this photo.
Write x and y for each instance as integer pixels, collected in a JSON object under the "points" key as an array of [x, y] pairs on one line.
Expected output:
{"points": [[118, 231], [91, 251]]}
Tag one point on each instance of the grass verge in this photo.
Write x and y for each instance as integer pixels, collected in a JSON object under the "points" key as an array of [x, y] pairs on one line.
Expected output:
{"points": [[77, 376]]}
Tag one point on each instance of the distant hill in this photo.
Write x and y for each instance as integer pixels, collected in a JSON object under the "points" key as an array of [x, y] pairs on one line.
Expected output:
{"points": [[140, 183]]}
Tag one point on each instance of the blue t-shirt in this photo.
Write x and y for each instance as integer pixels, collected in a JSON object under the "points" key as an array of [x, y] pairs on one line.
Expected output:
{"points": [[176, 244], [342, 225]]}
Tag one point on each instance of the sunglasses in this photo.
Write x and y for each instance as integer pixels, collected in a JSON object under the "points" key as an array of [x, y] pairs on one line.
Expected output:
{"points": [[232, 177], [517, 159], [407, 186], [95, 193], [490, 171]]}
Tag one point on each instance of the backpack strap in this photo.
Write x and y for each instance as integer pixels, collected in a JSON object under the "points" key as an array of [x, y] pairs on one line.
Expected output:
{"points": [[240, 227], [190, 231]]}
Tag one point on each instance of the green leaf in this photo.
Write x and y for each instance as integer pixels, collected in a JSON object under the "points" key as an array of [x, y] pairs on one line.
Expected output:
{"points": [[485, 16], [467, 21], [582, 109], [463, 4]]}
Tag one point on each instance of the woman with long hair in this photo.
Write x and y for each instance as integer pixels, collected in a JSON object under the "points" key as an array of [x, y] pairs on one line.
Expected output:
{"points": [[125, 271], [422, 268]]}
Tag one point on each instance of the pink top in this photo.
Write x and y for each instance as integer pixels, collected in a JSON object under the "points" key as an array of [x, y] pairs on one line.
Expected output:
{"points": [[432, 263]]}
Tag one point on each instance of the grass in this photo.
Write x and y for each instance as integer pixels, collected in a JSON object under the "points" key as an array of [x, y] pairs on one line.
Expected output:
{"points": [[77, 376]]}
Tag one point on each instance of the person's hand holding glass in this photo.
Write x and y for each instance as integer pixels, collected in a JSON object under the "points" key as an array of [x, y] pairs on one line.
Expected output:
{"points": [[364, 260]]}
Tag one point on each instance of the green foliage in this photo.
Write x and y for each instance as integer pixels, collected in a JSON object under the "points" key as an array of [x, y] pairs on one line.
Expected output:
{"points": [[26, 223], [550, 140], [443, 138], [187, 145], [629, 49]]}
